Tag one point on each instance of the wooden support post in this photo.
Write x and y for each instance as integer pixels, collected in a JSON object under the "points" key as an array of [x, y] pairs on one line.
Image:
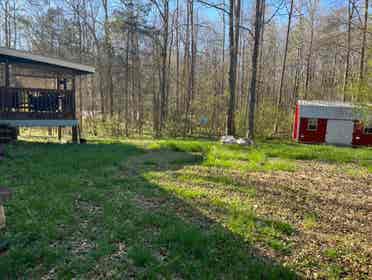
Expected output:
{"points": [[75, 129], [59, 83], [80, 105], [7, 75], [59, 133], [75, 135], [6, 83]]}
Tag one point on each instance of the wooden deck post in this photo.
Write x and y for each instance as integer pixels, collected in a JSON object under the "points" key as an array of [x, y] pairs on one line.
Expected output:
{"points": [[59, 132], [75, 129], [59, 129], [75, 134], [7, 75]]}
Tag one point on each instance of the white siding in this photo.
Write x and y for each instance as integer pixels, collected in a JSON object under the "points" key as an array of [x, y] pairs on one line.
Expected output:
{"points": [[339, 132]]}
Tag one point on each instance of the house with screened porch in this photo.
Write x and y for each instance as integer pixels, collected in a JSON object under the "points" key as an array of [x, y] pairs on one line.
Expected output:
{"points": [[38, 91]]}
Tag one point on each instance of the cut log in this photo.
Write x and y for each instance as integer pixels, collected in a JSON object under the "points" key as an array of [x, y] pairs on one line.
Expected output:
{"points": [[5, 195], [2, 217]]}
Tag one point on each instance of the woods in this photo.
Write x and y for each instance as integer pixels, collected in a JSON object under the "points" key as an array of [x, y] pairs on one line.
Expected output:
{"points": [[198, 67], [185, 139]]}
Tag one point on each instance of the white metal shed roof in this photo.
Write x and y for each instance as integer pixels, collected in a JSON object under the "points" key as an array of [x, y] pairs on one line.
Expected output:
{"points": [[29, 57], [329, 110]]}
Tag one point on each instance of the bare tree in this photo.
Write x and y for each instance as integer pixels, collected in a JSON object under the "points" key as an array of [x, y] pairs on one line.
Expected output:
{"points": [[362, 66], [350, 11], [255, 53], [234, 23], [279, 102], [313, 4]]}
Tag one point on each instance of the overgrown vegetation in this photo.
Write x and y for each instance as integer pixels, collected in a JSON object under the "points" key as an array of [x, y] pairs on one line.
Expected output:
{"points": [[186, 209]]}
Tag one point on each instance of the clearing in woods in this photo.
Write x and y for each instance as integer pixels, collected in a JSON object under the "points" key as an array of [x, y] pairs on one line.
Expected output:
{"points": [[187, 210]]}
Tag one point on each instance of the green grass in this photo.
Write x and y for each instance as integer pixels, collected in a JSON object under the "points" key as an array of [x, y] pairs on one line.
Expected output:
{"points": [[269, 155], [120, 209], [317, 152], [141, 256], [331, 253], [309, 221]]}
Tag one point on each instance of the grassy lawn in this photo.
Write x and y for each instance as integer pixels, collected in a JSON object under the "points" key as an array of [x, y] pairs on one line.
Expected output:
{"points": [[187, 210]]}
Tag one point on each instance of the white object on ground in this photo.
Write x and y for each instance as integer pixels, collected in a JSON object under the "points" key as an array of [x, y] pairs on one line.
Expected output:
{"points": [[228, 139], [244, 141]]}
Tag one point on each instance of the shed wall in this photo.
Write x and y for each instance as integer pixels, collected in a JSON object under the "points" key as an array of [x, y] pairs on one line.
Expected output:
{"points": [[308, 136], [359, 137]]}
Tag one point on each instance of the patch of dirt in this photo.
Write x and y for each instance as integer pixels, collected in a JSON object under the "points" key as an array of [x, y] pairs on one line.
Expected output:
{"points": [[340, 203], [329, 205], [340, 206]]}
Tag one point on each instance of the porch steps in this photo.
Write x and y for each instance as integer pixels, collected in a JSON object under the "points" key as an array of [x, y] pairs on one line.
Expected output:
{"points": [[7, 134]]}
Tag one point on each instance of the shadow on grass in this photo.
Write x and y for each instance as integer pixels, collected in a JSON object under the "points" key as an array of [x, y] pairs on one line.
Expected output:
{"points": [[91, 211]]}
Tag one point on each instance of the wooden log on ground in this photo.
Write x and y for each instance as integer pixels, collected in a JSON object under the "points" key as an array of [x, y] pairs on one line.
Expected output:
{"points": [[5, 195], [2, 217], [2, 151]]}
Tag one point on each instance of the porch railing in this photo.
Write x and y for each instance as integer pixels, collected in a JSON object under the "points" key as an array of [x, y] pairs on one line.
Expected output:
{"points": [[35, 103]]}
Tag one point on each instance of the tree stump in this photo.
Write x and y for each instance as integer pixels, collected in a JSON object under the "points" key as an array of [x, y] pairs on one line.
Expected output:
{"points": [[5, 195], [2, 151], [2, 217]]}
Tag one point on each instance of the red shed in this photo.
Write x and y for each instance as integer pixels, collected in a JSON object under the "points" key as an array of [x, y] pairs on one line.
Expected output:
{"points": [[331, 122]]}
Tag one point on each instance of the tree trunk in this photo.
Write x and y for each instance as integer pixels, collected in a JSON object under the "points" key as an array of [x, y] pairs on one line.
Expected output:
{"points": [[255, 53], [363, 47], [177, 60], [234, 22], [164, 72], [348, 52], [126, 85], [187, 67], [310, 52], [279, 103], [109, 56]]}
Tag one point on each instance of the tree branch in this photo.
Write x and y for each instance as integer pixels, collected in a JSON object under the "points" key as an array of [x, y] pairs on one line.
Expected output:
{"points": [[226, 12], [275, 13]]}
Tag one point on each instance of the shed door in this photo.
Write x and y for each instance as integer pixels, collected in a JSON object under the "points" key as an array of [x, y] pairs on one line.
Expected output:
{"points": [[339, 132]]}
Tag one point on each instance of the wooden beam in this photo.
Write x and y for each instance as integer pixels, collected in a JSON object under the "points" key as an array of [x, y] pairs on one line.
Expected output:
{"points": [[47, 77], [73, 89], [7, 75], [75, 129], [40, 123], [36, 116]]}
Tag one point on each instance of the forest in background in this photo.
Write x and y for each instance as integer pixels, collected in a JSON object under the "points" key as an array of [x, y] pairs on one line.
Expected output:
{"points": [[199, 67]]}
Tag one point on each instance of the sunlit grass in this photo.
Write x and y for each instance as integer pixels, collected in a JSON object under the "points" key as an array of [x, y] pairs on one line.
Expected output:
{"points": [[310, 221], [154, 209], [268, 156]]}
